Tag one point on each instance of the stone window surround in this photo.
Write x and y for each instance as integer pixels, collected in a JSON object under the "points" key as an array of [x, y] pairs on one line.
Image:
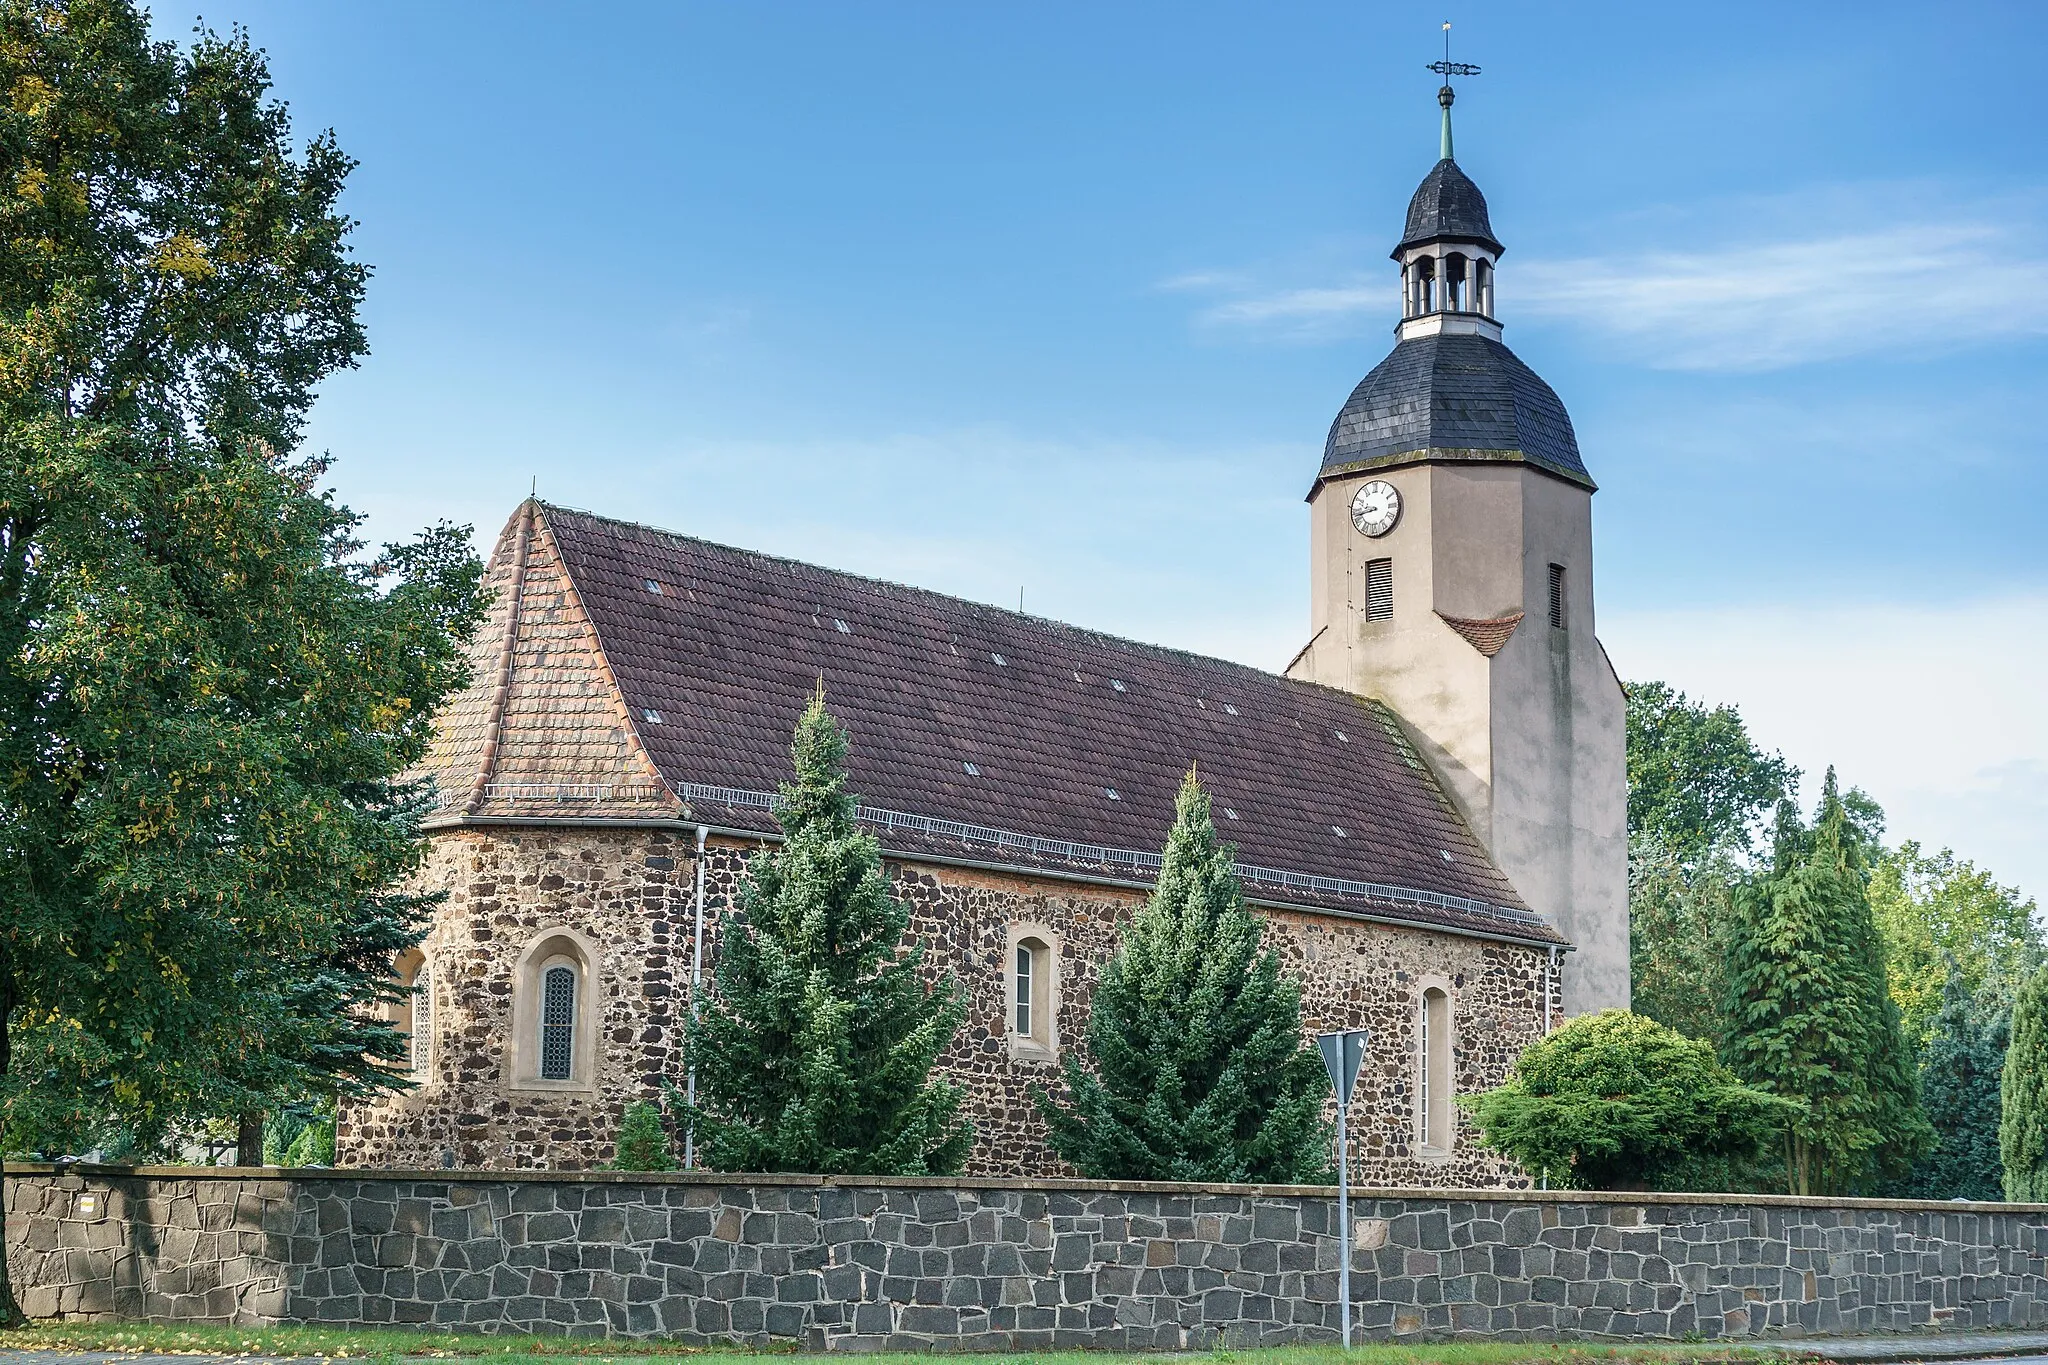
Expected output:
{"points": [[1444, 1094], [1043, 1044], [408, 968], [552, 947]]}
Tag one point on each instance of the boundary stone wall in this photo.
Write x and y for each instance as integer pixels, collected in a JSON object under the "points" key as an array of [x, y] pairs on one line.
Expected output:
{"points": [[998, 1264]]}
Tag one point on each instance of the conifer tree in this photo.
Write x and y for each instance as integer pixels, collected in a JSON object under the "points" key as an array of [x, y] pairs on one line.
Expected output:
{"points": [[2023, 1123], [1809, 1015], [643, 1143], [1959, 1081], [1193, 1066], [815, 1046]]}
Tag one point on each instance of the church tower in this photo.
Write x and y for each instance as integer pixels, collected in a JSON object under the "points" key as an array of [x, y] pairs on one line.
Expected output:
{"points": [[1451, 552]]}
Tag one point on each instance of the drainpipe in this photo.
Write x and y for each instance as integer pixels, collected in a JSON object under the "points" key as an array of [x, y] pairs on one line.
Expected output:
{"points": [[696, 989], [1549, 983]]}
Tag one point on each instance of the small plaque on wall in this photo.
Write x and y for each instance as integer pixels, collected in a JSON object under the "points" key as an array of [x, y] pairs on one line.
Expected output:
{"points": [[88, 1204]]}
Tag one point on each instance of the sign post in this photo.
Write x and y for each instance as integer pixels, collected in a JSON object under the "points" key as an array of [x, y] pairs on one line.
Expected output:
{"points": [[1342, 1053]]}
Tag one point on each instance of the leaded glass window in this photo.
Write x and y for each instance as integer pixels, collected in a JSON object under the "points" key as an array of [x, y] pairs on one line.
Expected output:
{"points": [[558, 1024], [422, 1040]]}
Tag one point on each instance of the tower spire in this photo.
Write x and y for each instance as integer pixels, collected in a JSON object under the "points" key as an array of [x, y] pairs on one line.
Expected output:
{"points": [[1445, 95]]}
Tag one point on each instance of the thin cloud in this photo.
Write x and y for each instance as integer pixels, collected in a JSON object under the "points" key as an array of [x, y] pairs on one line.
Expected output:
{"points": [[1914, 288], [1923, 283]]}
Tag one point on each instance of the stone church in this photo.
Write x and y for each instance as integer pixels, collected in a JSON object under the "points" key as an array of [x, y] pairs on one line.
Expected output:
{"points": [[1428, 803]]}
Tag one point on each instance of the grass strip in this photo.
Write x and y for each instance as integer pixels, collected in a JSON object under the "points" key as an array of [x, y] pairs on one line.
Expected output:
{"points": [[394, 1344]]}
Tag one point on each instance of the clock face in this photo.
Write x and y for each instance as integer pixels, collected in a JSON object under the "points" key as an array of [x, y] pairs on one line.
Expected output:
{"points": [[1375, 508]]}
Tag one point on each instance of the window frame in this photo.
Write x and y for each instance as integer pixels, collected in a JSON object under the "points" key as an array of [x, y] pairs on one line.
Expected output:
{"points": [[413, 1012], [1039, 1040], [545, 951], [1560, 597], [1434, 1056]]}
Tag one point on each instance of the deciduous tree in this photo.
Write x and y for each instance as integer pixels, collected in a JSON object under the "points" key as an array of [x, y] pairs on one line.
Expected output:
{"points": [[1193, 1066], [1698, 788], [206, 691], [1944, 917], [814, 1048]]}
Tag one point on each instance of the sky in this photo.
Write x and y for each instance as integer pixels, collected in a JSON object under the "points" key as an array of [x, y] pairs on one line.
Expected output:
{"points": [[1061, 299]]}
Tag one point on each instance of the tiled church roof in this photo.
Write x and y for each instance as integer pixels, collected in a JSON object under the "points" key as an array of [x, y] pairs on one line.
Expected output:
{"points": [[959, 712]]}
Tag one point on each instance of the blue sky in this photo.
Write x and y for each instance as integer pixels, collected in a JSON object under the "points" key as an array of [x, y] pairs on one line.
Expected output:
{"points": [[1063, 297]]}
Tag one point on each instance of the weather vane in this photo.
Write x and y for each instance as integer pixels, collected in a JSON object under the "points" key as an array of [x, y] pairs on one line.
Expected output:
{"points": [[1447, 69]]}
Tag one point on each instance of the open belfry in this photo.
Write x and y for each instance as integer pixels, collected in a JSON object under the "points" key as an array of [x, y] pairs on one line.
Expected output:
{"points": [[1428, 805]]}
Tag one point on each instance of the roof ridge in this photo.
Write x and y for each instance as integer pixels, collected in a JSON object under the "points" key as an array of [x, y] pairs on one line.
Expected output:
{"points": [[1051, 624]]}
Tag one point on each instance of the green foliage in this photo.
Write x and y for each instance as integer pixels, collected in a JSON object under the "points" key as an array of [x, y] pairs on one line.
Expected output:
{"points": [[1680, 922], [2023, 1120], [1193, 1066], [1937, 911], [1697, 784], [815, 1047], [1809, 1016], [1698, 787], [643, 1142], [299, 1135], [206, 692], [1615, 1101], [1959, 1081]]}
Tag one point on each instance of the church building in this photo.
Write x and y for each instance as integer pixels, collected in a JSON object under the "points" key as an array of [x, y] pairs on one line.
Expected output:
{"points": [[1428, 803]]}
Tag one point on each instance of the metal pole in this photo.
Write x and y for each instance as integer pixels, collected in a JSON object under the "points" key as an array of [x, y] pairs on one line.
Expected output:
{"points": [[1344, 1225], [1342, 1051], [696, 989]]}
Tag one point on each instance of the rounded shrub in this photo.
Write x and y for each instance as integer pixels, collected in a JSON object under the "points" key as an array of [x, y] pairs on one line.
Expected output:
{"points": [[1617, 1101]]}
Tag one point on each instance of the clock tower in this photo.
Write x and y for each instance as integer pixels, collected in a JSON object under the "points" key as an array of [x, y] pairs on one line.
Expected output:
{"points": [[1451, 548]]}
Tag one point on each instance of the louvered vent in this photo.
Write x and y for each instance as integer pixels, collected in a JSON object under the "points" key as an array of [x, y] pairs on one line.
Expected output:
{"points": [[1379, 590], [1557, 596]]}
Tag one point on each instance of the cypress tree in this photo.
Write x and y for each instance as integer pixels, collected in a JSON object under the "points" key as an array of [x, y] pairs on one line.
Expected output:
{"points": [[2023, 1122], [814, 1048], [1193, 1066], [1959, 1083], [1809, 1016]]}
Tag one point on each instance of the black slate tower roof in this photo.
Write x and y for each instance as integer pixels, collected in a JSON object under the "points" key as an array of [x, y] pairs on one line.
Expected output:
{"points": [[1448, 207], [1453, 396]]}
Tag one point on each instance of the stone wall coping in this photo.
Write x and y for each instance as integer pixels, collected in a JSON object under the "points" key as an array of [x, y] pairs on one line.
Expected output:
{"points": [[18, 1170]]}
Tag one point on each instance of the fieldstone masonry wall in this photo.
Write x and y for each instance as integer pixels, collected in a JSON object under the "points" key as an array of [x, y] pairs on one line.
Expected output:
{"points": [[628, 892], [996, 1264]]}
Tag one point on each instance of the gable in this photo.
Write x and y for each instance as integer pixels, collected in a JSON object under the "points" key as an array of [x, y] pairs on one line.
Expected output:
{"points": [[542, 731]]}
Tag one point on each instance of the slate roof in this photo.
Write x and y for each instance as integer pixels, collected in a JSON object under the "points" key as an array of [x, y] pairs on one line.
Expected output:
{"points": [[1453, 396], [1051, 718], [1447, 206]]}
